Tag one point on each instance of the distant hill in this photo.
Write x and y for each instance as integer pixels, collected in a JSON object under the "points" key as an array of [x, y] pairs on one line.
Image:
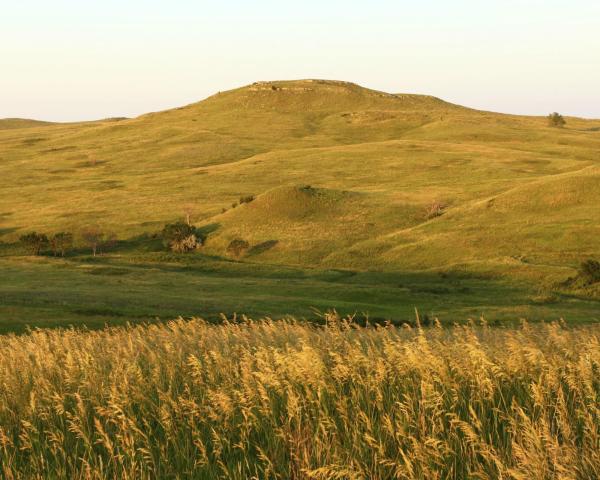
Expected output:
{"points": [[342, 176], [11, 123]]}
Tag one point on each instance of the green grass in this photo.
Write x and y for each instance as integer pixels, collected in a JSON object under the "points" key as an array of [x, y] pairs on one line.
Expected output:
{"points": [[521, 204], [48, 292]]}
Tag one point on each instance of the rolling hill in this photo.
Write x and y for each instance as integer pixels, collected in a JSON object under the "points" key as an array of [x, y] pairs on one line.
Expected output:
{"points": [[343, 177]]}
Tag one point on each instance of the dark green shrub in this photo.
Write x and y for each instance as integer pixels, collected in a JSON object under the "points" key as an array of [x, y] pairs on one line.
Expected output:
{"points": [[246, 199], [589, 271], [555, 119], [237, 247], [34, 242], [180, 237]]}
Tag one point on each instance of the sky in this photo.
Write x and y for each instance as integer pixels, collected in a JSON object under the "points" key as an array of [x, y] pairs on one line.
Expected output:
{"points": [[67, 60]]}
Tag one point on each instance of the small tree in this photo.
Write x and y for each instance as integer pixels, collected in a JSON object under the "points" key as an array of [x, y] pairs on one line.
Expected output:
{"points": [[61, 243], [34, 242], [237, 247], [188, 211], [93, 238], [555, 119], [180, 237]]}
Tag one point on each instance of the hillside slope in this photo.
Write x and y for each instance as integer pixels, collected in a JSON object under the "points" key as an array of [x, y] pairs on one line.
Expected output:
{"points": [[514, 194]]}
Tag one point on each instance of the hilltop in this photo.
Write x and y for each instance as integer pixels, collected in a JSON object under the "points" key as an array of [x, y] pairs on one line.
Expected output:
{"points": [[342, 176]]}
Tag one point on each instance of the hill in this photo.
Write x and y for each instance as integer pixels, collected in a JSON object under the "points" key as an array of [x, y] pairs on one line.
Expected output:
{"points": [[396, 181], [10, 123]]}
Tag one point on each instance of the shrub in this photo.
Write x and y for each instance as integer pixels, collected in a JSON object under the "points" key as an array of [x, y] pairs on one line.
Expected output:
{"points": [[61, 243], [180, 237], [555, 119], [246, 199], [435, 209], [237, 247], [589, 271], [34, 242]]}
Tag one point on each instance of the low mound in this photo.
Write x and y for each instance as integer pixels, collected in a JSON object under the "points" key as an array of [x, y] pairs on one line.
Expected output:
{"points": [[295, 221], [298, 203], [298, 224]]}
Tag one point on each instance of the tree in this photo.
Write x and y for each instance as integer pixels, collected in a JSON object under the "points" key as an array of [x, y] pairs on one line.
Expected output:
{"points": [[34, 242], [180, 237], [237, 247], [188, 211], [60, 243], [555, 119], [93, 237]]}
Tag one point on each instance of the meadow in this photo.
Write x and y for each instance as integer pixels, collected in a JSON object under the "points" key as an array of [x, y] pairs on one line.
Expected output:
{"points": [[286, 399], [119, 288]]}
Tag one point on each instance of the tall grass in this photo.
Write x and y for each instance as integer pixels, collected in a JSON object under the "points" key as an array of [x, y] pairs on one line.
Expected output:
{"points": [[270, 400]]}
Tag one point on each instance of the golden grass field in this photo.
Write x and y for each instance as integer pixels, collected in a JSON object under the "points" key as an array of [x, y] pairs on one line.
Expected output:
{"points": [[289, 400]]}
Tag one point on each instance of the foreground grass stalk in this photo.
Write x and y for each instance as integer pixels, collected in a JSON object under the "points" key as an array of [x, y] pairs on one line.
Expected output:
{"points": [[278, 400]]}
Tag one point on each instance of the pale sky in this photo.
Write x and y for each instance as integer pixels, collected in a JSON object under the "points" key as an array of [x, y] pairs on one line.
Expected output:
{"points": [[67, 60]]}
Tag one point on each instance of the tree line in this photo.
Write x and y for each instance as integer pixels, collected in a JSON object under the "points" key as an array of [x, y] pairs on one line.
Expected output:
{"points": [[61, 243]]}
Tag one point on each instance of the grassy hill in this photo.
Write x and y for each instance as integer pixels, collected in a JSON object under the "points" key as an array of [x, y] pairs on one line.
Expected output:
{"points": [[343, 178]]}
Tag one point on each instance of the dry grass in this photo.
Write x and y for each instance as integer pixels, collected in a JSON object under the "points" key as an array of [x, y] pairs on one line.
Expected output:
{"points": [[289, 400]]}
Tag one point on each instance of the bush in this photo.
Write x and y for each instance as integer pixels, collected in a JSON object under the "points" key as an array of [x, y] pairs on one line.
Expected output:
{"points": [[246, 199], [556, 120], [589, 271], [34, 242], [435, 209], [180, 237], [237, 247]]}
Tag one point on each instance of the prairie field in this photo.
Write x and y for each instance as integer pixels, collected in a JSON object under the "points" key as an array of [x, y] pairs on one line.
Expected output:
{"points": [[365, 201], [211, 272], [293, 400]]}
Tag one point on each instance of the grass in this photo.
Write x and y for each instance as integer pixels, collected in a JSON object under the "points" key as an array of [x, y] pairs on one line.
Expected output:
{"points": [[274, 400], [520, 208], [116, 289], [393, 154]]}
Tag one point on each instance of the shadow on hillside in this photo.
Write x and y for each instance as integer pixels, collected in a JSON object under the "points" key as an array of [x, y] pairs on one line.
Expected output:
{"points": [[7, 230], [206, 230], [262, 247]]}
